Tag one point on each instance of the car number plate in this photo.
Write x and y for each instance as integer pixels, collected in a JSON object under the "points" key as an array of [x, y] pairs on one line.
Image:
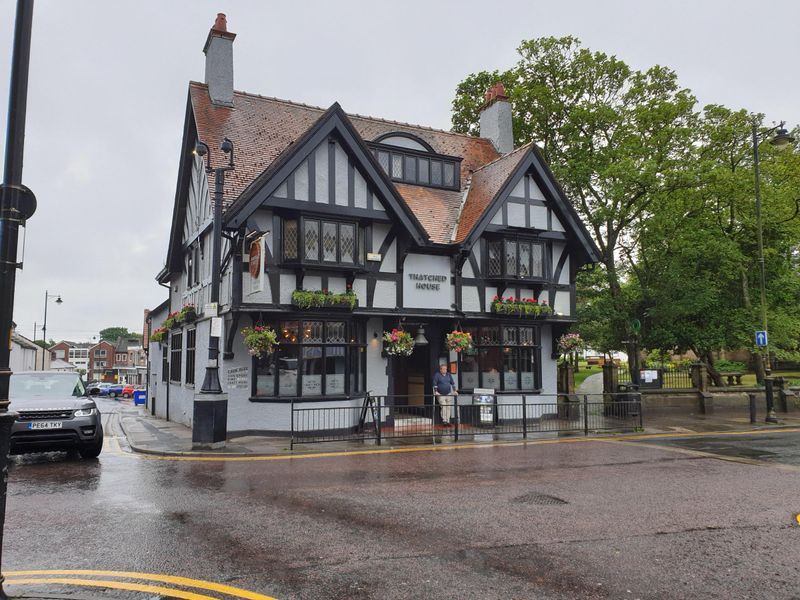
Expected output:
{"points": [[44, 425]]}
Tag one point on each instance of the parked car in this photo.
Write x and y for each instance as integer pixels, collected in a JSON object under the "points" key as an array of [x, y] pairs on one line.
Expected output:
{"points": [[127, 391], [115, 389], [98, 389], [53, 413]]}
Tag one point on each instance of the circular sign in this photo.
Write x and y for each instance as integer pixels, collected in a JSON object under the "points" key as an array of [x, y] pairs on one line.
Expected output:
{"points": [[255, 258]]}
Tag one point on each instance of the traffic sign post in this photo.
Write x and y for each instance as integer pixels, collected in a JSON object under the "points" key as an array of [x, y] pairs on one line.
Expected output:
{"points": [[761, 339]]}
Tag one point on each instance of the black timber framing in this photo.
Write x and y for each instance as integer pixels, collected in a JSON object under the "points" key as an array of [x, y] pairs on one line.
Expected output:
{"points": [[333, 122]]}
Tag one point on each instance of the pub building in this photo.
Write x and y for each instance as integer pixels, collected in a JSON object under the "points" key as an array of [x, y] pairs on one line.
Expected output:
{"points": [[424, 228]]}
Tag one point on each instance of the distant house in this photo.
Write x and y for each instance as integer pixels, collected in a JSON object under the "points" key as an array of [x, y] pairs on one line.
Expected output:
{"points": [[61, 365], [24, 353]]}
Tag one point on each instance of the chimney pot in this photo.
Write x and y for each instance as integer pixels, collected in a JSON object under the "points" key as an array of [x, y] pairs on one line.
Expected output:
{"points": [[221, 24]]}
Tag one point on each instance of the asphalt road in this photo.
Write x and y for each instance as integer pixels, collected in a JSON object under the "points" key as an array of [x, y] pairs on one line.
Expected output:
{"points": [[679, 517]]}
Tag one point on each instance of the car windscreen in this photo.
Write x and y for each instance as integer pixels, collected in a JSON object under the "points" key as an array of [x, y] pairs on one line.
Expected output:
{"points": [[45, 385]]}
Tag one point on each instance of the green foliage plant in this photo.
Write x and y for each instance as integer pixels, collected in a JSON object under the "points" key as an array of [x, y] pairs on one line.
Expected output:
{"points": [[310, 299]]}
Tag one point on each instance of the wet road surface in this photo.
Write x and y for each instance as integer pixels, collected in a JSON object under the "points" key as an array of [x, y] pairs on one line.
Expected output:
{"points": [[681, 517]]}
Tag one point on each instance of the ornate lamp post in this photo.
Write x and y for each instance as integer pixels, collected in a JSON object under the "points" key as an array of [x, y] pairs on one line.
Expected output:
{"points": [[58, 300], [209, 423], [17, 204], [781, 141]]}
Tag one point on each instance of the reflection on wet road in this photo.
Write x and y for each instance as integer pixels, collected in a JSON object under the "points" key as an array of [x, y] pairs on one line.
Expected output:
{"points": [[573, 520]]}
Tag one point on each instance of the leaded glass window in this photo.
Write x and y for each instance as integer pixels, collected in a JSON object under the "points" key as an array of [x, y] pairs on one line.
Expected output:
{"points": [[311, 240], [537, 268], [511, 258], [290, 239], [347, 242], [329, 242], [524, 259], [312, 332], [449, 174], [397, 166], [495, 259], [335, 332], [436, 172], [383, 160]]}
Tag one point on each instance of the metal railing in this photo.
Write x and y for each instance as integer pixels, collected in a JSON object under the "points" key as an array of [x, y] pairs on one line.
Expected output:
{"points": [[680, 377], [394, 417]]}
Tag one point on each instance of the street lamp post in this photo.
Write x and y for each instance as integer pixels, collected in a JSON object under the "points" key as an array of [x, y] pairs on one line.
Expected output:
{"points": [[17, 204], [781, 140], [48, 296], [210, 415]]}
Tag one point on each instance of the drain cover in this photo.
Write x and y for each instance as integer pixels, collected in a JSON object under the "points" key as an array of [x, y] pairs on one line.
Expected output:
{"points": [[540, 499]]}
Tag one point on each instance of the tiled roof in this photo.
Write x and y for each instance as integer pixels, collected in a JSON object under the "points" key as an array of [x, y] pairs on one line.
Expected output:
{"points": [[262, 128], [485, 184]]}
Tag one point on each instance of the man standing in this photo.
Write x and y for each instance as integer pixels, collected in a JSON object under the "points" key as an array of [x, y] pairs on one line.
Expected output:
{"points": [[444, 388]]}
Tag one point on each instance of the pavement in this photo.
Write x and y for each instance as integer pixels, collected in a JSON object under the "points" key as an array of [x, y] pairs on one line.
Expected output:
{"points": [[151, 435]]}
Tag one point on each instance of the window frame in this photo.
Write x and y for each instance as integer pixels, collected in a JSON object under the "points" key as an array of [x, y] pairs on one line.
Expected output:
{"points": [[191, 336], [358, 233], [418, 158], [518, 348], [355, 338], [175, 356], [517, 241]]}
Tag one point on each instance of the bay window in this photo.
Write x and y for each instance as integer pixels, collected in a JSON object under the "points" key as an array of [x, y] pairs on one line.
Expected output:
{"points": [[314, 358], [505, 358]]}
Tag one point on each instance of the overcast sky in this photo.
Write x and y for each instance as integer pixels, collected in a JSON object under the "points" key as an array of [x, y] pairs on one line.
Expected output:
{"points": [[108, 86]]}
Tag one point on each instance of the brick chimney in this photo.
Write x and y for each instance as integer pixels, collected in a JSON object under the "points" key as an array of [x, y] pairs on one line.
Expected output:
{"points": [[219, 62], [495, 120]]}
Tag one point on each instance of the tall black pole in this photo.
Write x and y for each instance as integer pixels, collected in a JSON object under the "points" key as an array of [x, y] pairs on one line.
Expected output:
{"points": [[17, 203], [44, 327], [760, 239]]}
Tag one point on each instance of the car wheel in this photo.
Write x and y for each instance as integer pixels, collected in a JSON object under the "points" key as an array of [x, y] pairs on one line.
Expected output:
{"points": [[126, 395], [92, 451], [112, 394]]}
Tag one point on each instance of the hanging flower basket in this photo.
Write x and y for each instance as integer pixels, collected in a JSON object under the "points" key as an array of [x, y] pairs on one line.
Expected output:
{"points": [[459, 341], [260, 340], [310, 299], [520, 307], [159, 335], [569, 343], [398, 342], [188, 314]]}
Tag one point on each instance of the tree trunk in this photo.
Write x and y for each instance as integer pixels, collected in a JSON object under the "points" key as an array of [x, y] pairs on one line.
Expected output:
{"points": [[758, 362], [715, 375]]}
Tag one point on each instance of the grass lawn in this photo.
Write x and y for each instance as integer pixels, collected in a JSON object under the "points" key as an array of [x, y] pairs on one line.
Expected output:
{"points": [[792, 376]]}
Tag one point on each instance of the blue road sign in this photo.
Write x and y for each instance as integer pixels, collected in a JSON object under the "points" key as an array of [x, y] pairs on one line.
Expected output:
{"points": [[761, 338]]}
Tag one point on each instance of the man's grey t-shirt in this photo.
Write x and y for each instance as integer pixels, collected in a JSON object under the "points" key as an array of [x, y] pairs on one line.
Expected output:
{"points": [[443, 383]]}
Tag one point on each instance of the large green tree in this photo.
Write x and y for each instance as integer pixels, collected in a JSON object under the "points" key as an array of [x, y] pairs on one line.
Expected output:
{"points": [[111, 334], [619, 140]]}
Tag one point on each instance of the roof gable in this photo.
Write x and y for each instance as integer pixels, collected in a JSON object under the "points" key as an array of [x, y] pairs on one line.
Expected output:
{"points": [[492, 185], [333, 123]]}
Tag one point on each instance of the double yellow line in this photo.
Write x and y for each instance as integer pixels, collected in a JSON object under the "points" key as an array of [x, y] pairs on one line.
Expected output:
{"points": [[90, 578]]}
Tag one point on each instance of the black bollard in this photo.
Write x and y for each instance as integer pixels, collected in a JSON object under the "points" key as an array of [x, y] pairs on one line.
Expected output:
{"points": [[752, 408]]}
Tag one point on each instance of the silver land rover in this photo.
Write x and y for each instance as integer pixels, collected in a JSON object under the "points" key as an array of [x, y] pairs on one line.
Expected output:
{"points": [[53, 413]]}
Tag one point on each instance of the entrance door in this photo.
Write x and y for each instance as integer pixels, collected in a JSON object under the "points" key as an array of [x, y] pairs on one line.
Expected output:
{"points": [[411, 377]]}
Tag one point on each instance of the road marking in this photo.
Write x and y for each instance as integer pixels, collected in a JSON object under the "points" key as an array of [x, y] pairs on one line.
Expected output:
{"points": [[175, 580], [116, 585]]}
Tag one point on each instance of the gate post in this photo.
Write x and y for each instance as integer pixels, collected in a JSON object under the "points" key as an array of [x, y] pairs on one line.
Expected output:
{"points": [[291, 438], [524, 418], [380, 419], [586, 414]]}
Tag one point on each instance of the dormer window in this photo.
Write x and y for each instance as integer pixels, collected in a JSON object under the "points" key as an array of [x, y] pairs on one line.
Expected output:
{"points": [[408, 159]]}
